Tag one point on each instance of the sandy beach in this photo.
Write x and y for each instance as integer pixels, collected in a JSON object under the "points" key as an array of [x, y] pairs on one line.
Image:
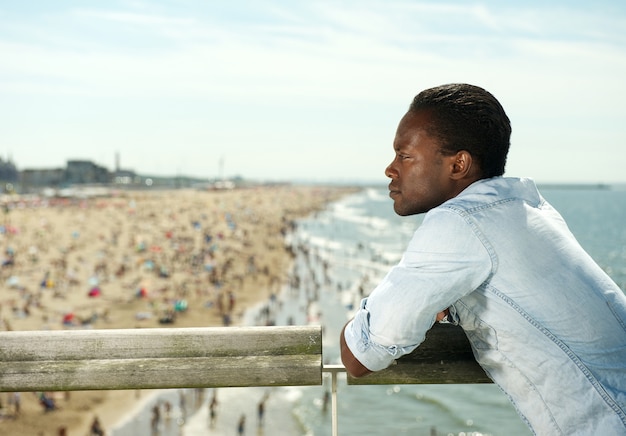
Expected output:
{"points": [[138, 259]]}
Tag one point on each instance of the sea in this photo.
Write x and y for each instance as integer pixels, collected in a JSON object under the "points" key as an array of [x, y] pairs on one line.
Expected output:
{"points": [[340, 254]]}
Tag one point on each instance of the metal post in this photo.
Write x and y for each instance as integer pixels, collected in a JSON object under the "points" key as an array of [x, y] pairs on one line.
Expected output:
{"points": [[334, 370], [335, 431]]}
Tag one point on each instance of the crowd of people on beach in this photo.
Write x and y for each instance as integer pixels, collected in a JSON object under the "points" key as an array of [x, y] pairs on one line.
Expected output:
{"points": [[144, 259], [308, 278], [125, 250]]}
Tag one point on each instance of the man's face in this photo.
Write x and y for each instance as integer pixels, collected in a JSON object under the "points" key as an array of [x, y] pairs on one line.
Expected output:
{"points": [[419, 173]]}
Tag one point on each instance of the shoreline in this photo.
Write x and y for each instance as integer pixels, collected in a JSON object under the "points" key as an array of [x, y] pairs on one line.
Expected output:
{"points": [[134, 242]]}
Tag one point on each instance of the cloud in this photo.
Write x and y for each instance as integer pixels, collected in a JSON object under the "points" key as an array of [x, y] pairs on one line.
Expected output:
{"points": [[325, 47], [130, 17], [336, 72]]}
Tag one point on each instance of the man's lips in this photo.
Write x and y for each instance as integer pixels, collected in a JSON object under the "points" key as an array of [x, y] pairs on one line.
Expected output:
{"points": [[393, 191]]}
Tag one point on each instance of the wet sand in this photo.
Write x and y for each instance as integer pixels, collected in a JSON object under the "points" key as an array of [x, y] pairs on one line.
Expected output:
{"points": [[179, 258]]}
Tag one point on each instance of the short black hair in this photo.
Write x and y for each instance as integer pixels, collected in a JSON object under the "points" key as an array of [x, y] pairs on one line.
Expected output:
{"points": [[467, 117]]}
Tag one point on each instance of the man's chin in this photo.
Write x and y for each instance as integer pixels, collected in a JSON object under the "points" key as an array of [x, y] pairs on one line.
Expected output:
{"points": [[398, 209]]}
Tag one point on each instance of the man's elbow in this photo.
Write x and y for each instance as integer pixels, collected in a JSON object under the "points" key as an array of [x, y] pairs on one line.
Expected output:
{"points": [[353, 366], [355, 369]]}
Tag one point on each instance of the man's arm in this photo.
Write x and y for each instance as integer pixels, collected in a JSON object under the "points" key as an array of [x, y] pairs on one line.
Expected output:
{"points": [[353, 366]]}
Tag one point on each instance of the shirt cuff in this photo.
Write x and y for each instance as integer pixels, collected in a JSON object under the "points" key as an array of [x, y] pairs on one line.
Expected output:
{"points": [[371, 355]]}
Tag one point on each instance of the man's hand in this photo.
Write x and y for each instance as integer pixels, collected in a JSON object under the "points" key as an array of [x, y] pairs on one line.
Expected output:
{"points": [[442, 315]]}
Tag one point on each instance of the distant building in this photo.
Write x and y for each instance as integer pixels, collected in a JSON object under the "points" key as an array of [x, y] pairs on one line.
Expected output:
{"points": [[33, 179], [77, 172], [8, 172], [85, 172], [125, 177]]}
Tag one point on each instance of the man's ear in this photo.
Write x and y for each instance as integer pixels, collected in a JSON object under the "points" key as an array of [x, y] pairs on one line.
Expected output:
{"points": [[462, 165]]}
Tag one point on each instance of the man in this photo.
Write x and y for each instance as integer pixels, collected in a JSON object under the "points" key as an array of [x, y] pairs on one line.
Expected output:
{"points": [[544, 321]]}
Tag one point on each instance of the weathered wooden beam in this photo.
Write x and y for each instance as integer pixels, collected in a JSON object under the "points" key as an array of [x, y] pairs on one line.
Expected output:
{"points": [[445, 357], [160, 358], [210, 357]]}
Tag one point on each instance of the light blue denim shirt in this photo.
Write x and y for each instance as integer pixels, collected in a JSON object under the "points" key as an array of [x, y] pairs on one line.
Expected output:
{"points": [[545, 322]]}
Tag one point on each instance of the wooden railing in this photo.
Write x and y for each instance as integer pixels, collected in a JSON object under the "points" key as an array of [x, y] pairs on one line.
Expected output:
{"points": [[71, 360], [162, 358], [445, 357]]}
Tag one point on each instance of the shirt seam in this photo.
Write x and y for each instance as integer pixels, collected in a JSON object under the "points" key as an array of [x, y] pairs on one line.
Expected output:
{"points": [[466, 215]]}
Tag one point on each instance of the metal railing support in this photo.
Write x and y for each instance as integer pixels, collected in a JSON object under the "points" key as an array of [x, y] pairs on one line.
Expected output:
{"points": [[334, 370]]}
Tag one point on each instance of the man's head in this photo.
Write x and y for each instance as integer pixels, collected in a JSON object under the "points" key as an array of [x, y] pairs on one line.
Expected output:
{"points": [[467, 117], [451, 136]]}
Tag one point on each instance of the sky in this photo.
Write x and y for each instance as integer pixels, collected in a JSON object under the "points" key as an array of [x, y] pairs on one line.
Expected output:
{"points": [[289, 90]]}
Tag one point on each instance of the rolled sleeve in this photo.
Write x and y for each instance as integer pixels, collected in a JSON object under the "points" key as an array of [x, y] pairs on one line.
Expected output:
{"points": [[372, 355]]}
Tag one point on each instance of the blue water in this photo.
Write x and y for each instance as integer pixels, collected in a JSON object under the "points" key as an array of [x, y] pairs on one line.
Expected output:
{"points": [[341, 253]]}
